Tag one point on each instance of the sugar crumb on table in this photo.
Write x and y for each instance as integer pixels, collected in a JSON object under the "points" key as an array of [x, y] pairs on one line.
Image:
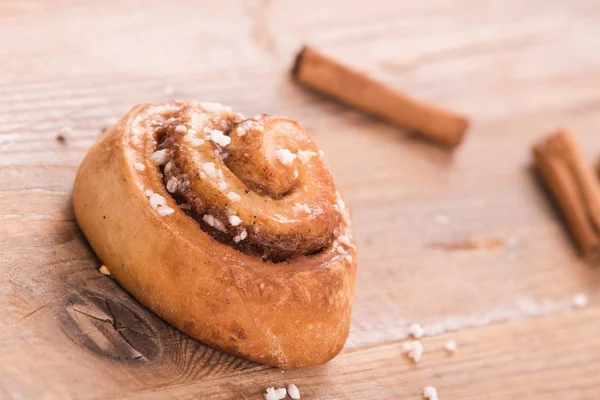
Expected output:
{"points": [[413, 349], [450, 346], [416, 331], [430, 393], [580, 300]]}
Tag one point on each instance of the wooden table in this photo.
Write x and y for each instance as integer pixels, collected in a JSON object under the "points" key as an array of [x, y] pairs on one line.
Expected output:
{"points": [[519, 68]]}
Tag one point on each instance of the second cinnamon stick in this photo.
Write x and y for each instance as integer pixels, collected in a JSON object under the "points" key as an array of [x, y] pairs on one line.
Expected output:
{"points": [[353, 87], [575, 187]]}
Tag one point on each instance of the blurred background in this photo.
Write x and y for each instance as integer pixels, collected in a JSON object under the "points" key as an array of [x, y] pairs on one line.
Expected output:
{"points": [[518, 69]]}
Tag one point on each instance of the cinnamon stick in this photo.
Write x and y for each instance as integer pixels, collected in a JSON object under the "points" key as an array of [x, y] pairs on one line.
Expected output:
{"points": [[353, 87], [574, 186]]}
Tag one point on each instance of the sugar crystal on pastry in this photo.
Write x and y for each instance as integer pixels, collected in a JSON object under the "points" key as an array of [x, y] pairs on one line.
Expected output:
{"points": [[219, 138], [168, 167], [157, 200], [160, 157], [299, 207], [340, 203], [165, 210], [285, 156], [241, 131], [210, 169], [214, 222], [305, 155], [234, 220], [233, 196], [243, 235], [344, 240], [172, 184], [196, 141]]}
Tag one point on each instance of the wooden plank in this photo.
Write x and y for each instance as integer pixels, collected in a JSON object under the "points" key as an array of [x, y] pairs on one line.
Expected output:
{"points": [[496, 362], [519, 70]]}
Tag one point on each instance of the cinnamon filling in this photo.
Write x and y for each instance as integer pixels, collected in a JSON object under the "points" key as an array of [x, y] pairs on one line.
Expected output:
{"points": [[257, 184]]}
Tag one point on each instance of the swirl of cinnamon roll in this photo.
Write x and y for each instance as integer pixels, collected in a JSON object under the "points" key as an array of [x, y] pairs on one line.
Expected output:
{"points": [[230, 228]]}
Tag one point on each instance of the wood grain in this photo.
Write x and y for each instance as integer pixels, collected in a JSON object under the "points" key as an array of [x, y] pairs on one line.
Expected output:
{"points": [[495, 362], [518, 69]]}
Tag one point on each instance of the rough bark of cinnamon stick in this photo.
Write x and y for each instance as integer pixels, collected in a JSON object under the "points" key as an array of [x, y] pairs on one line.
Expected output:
{"points": [[358, 90], [575, 187]]}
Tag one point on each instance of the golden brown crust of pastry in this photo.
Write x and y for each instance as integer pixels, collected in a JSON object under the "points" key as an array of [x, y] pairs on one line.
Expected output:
{"points": [[199, 274]]}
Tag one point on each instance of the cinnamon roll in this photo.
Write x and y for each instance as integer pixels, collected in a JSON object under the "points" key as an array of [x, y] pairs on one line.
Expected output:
{"points": [[229, 228]]}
